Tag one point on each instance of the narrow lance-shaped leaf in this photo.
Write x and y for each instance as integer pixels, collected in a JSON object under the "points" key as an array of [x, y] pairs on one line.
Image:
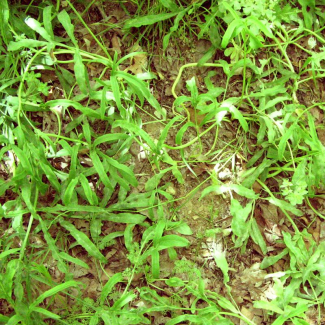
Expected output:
{"points": [[239, 225], [65, 20], [148, 20], [137, 131], [100, 169], [88, 191], [52, 292], [235, 24], [48, 21], [36, 26], [80, 72], [83, 240], [108, 287], [70, 191]]}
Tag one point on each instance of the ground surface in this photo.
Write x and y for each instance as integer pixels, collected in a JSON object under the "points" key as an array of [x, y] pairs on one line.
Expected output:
{"points": [[203, 278]]}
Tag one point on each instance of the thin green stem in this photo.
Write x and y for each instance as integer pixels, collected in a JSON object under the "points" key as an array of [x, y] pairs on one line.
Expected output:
{"points": [[89, 30]]}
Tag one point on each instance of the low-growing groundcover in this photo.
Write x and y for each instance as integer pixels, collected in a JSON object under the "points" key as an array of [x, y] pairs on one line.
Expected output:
{"points": [[162, 162]]}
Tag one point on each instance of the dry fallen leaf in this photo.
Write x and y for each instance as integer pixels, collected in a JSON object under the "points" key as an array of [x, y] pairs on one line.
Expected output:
{"points": [[140, 62]]}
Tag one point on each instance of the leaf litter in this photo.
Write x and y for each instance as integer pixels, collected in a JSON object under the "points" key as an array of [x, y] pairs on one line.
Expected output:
{"points": [[209, 218]]}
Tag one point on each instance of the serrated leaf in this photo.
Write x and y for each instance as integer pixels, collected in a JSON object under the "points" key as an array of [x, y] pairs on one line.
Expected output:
{"points": [[108, 287], [73, 260], [257, 237], [270, 260], [122, 168], [83, 240], [80, 73], [90, 195], [52, 292], [285, 206], [70, 191], [178, 18], [239, 225], [136, 130], [100, 169], [165, 132], [233, 29], [110, 138], [65, 20], [47, 20], [125, 217]]}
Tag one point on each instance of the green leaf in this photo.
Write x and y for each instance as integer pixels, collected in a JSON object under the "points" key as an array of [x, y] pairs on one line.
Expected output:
{"points": [[108, 287], [66, 103], [50, 175], [169, 4], [53, 247], [233, 29], [47, 20], [70, 192], [229, 107], [64, 19], [148, 20], [239, 225], [172, 241], [165, 132], [252, 177], [175, 282], [36, 26], [80, 72], [155, 266], [284, 140], [24, 161], [257, 237], [252, 20], [268, 306], [117, 94], [225, 188], [9, 252], [45, 312], [110, 138], [52, 292], [125, 299], [122, 168], [100, 169], [174, 28], [136, 130], [83, 240], [285, 206], [141, 89], [125, 217], [226, 304], [15, 320], [183, 229], [153, 182], [90, 195], [270, 260], [73, 260]]}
